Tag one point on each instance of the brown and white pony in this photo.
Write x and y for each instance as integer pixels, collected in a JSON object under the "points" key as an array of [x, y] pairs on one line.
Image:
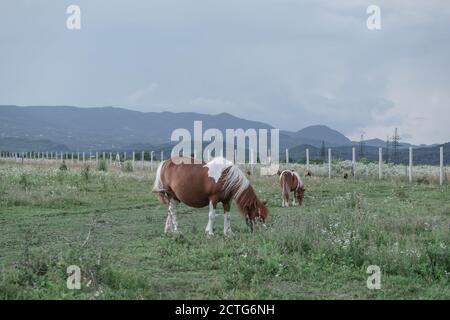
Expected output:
{"points": [[198, 184], [290, 181]]}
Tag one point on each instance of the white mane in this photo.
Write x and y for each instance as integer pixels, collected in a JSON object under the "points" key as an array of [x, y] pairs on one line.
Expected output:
{"points": [[300, 182], [216, 167], [234, 178]]}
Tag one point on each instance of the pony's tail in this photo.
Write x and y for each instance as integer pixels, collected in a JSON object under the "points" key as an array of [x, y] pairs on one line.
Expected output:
{"points": [[158, 185], [285, 188], [299, 181]]}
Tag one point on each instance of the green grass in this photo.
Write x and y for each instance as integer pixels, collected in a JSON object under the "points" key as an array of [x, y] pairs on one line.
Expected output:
{"points": [[111, 226]]}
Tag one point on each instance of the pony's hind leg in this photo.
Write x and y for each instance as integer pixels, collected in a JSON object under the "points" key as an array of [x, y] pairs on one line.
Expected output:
{"points": [[286, 198], [171, 221], [284, 195], [226, 219], [211, 215]]}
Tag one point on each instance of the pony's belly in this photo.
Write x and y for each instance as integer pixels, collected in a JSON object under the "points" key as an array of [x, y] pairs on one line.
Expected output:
{"points": [[199, 203]]}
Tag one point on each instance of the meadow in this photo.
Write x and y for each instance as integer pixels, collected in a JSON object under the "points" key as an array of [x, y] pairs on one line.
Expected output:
{"points": [[109, 224]]}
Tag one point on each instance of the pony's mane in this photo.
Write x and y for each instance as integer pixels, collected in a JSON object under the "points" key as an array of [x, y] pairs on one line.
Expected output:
{"points": [[233, 181], [247, 199], [299, 181]]}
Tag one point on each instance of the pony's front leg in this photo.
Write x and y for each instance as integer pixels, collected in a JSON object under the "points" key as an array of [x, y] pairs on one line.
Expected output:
{"points": [[168, 227], [294, 203], [226, 220], [211, 215], [250, 223]]}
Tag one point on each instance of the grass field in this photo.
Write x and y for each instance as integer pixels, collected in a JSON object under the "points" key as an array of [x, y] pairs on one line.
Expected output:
{"points": [[111, 226]]}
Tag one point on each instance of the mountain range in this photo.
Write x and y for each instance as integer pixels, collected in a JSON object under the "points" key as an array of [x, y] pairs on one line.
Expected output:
{"points": [[65, 128]]}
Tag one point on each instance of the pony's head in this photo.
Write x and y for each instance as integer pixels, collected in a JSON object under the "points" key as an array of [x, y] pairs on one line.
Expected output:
{"points": [[299, 194], [256, 211], [263, 212]]}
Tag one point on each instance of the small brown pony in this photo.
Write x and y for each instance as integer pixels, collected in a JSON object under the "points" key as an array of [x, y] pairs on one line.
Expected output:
{"points": [[198, 184], [290, 181]]}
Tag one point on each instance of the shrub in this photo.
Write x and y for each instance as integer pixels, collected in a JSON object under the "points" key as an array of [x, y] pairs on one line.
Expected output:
{"points": [[364, 160], [63, 166], [85, 173], [127, 167], [102, 165], [24, 182]]}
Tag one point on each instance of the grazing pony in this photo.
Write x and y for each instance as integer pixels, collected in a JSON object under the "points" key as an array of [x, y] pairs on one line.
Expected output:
{"points": [[290, 181], [198, 184]]}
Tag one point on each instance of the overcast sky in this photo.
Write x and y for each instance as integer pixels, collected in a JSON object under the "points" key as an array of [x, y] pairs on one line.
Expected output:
{"points": [[290, 63]]}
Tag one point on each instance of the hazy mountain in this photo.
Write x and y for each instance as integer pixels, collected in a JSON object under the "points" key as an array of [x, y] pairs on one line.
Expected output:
{"points": [[20, 144], [318, 133], [109, 128], [116, 128]]}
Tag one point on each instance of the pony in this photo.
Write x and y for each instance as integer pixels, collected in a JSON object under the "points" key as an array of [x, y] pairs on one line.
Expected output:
{"points": [[290, 181], [199, 184]]}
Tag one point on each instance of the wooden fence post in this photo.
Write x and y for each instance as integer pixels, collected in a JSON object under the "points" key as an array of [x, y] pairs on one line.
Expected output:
{"points": [[151, 161], [307, 159], [380, 161], [353, 161], [329, 162], [410, 164], [441, 165]]}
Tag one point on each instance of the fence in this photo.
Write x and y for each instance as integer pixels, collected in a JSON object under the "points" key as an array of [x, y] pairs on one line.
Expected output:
{"points": [[112, 158], [381, 164], [118, 158]]}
